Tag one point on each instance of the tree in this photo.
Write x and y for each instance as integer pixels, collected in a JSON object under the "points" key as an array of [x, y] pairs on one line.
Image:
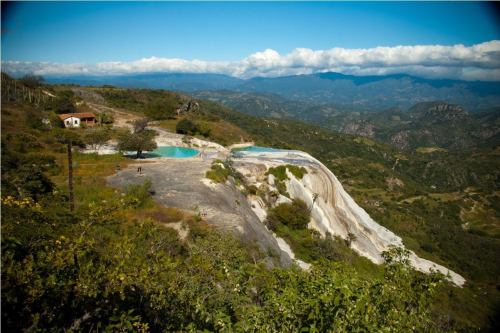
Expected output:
{"points": [[140, 125], [186, 126], [296, 215], [97, 137], [315, 197], [32, 81], [161, 109], [63, 104], [70, 176], [104, 118], [69, 137], [137, 141], [350, 238]]}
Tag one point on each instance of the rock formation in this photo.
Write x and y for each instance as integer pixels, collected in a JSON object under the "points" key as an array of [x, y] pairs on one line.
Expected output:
{"points": [[333, 212]]}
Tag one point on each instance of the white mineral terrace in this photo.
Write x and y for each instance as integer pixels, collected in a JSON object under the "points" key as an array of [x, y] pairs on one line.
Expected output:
{"points": [[334, 211]]}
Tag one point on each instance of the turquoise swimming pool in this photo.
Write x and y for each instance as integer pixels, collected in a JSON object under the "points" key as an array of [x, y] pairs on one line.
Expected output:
{"points": [[257, 149], [173, 151]]}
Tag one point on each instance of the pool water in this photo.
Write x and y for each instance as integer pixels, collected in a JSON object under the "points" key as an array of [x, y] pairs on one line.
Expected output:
{"points": [[172, 151], [257, 149]]}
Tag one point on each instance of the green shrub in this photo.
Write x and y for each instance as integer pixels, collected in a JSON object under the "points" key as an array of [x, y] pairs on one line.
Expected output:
{"points": [[63, 103], [281, 187], [21, 142], [296, 215], [219, 172], [280, 175], [280, 171], [186, 126], [203, 129], [252, 189], [161, 109], [104, 118], [297, 171], [138, 195], [428, 247]]}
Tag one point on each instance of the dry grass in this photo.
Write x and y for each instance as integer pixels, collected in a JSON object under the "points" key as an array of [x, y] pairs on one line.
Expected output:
{"points": [[90, 168], [429, 150], [169, 124], [165, 214], [226, 133], [221, 131], [364, 140]]}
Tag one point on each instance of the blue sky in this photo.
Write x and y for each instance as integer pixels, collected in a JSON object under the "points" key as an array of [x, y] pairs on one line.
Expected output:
{"points": [[94, 32]]}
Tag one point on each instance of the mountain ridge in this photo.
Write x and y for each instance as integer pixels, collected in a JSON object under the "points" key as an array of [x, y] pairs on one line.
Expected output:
{"points": [[363, 93]]}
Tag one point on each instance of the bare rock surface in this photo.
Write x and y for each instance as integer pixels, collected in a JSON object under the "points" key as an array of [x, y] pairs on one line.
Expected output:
{"points": [[362, 128], [181, 183]]}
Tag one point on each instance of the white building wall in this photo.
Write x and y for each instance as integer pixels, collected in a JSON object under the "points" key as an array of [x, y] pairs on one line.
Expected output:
{"points": [[72, 122]]}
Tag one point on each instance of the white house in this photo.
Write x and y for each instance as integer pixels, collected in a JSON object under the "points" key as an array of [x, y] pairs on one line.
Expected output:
{"points": [[77, 119]]}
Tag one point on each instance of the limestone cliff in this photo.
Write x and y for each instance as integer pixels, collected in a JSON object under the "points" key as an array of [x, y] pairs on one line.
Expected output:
{"points": [[334, 211]]}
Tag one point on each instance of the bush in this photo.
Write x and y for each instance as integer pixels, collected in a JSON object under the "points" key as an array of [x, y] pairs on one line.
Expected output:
{"points": [[203, 129], [63, 103], [97, 137], [32, 81], [166, 214], [161, 109], [428, 247], [219, 172], [295, 215], [34, 119], [186, 126], [252, 189], [280, 171], [21, 142], [281, 187], [138, 195], [104, 118]]}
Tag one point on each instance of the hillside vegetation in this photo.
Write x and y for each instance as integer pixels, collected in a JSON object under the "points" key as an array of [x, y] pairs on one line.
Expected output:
{"points": [[113, 264]]}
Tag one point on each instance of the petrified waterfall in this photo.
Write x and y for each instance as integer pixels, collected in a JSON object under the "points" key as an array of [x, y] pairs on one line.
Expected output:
{"points": [[334, 211]]}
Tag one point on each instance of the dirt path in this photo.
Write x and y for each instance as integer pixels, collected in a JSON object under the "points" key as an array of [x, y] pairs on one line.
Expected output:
{"points": [[122, 119]]}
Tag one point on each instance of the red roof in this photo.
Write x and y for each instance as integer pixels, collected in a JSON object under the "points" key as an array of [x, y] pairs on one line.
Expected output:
{"points": [[76, 115]]}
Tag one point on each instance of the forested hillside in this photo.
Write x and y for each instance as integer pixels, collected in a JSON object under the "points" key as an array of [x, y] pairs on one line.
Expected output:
{"points": [[362, 93], [435, 124], [112, 265]]}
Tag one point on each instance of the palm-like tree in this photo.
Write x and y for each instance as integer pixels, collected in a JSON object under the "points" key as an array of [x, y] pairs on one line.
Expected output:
{"points": [[315, 197]]}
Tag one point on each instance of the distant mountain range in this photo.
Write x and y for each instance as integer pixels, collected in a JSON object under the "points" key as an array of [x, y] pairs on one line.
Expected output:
{"points": [[426, 124], [429, 126], [338, 91]]}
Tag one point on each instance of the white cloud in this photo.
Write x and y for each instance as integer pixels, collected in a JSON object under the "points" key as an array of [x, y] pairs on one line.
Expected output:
{"points": [[476, 62]]}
